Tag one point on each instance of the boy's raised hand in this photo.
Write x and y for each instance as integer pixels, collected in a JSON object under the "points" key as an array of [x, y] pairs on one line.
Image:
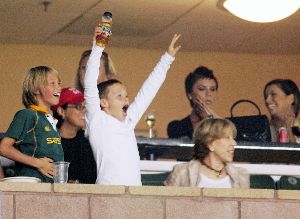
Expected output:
{"points": [[172, 50], [98, 31]]}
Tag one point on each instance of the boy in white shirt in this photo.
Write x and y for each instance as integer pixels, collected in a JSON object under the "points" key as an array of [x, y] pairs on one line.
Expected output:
{"points": [[111, 120]]}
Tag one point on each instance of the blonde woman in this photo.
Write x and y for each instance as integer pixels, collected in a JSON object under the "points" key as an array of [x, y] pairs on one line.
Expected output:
{"points": [[107, 69], [213, 153]]}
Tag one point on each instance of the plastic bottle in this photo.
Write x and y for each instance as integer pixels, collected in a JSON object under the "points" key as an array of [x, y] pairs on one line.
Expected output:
{"points": [[105, 24]]}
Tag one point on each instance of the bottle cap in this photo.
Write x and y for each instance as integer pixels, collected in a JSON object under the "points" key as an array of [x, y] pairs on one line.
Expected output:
{"points": [[107, 14]]}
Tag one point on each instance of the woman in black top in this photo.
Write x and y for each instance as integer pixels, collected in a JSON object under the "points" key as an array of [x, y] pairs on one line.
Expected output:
{"points": [[201, 88], [70, 112]]}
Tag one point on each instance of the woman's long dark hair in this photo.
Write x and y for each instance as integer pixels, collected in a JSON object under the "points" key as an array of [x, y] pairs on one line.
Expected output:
{"points": [[288, 87]]}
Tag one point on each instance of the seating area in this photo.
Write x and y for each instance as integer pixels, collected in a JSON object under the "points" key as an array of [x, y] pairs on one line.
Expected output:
{"points": [[154, 179], [262, 182], [154, 173], [289, 183], [256, 181]]}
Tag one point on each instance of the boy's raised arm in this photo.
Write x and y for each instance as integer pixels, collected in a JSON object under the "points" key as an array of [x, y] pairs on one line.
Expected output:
{"points": [[151, 86], [91, 96]]}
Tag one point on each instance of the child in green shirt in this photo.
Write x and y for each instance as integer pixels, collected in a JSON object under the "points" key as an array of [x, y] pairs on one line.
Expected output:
{"points": [[32, 139]]}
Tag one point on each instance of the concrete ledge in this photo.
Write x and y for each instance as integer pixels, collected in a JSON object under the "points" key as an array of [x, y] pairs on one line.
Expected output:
{"points": [[7, 206], [164, 191], [129, 207], [41, 200], [269, 209], [288, 194], [24, 187], [211, 209], [51, 206], [239, 193], [88, 188]]}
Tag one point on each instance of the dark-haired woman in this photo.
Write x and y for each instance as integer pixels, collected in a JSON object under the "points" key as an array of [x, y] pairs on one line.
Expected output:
{"points": [[213, 152], [201, 87], [282, 99], [70, 112]]}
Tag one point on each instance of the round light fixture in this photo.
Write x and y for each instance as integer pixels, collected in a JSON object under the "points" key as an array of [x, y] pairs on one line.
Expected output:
{"points": [[262, 10]]}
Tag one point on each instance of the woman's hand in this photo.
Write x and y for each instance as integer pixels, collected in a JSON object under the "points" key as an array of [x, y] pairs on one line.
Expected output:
{"points": [[172, 50], [202, 110], [45, 166]]}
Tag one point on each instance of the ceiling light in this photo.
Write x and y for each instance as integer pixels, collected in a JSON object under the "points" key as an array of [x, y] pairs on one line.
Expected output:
{"points": [[262, 10]]}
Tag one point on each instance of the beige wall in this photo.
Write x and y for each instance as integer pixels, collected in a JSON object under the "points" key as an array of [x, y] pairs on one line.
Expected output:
{"points": [[240, 76], [43, 200]]}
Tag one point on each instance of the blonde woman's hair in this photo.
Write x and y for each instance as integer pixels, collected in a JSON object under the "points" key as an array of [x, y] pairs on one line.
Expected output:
{"points": [[109, 67], [209, 130], [34, 80]]}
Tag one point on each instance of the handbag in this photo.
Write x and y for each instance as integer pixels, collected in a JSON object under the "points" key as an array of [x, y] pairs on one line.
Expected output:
{"points": [[251, 128]]}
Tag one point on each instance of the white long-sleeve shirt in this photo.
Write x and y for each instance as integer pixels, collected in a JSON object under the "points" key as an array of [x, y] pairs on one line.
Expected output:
{"points": [[113, 141]]}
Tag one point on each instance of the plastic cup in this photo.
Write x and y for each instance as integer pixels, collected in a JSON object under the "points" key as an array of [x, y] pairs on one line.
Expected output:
{"points": [[61, 172]]}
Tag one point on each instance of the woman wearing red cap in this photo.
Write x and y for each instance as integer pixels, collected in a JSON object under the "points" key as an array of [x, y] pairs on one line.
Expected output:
{"points": [[70, 112]]}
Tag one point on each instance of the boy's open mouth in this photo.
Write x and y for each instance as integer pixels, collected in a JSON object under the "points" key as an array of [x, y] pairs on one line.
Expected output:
{"points": [[56, 94], [125, 108]]}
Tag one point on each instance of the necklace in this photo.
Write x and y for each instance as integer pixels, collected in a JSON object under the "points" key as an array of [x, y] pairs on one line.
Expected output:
{"points": [[218, 172]]}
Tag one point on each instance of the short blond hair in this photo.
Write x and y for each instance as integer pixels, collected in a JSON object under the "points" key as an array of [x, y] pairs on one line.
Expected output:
{"points": [[35, 78], [209, 130]]}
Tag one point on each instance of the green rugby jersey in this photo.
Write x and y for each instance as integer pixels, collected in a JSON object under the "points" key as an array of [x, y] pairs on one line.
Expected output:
{"points": [[34, 137]]}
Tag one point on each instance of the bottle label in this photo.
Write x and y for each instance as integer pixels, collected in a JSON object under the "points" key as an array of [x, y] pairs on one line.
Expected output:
{"points": [[103, 38], [106, 28]]}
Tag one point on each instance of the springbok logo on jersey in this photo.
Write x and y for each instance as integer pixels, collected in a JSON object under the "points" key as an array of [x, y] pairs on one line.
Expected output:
{"points": [[47, 128]]}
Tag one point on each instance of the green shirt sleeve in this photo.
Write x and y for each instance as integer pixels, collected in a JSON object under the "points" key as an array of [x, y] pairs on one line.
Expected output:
{"points": [[24, 120]]}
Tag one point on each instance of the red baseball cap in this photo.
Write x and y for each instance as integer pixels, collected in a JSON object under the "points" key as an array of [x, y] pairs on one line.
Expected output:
{"points": [[69, 95]]}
